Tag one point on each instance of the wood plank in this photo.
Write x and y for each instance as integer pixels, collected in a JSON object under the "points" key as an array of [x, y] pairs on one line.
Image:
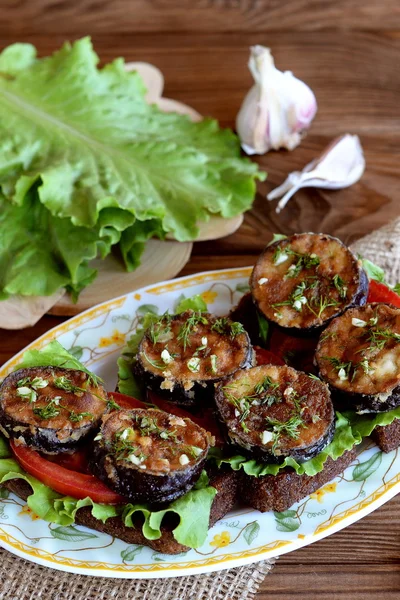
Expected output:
{"points": [[94, 16], [320, 582]]}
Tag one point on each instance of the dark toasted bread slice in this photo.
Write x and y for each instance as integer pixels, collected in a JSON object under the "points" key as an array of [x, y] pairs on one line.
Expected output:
{"points": [[387, 437], [280, 492], [225, 481]]}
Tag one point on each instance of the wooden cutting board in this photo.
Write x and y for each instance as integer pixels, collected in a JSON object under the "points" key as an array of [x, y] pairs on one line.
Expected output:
{"points": [[161, 260]]}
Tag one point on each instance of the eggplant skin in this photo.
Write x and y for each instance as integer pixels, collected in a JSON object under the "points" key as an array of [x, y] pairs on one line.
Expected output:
{"points": [[156, 438], [141, 487], [311, 396], [58, 434], [45, 439], [190, 393], [364, 403], [199, 395], [314, 326]]}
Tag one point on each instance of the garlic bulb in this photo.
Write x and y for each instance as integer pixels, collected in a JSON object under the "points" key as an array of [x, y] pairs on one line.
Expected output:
{"points": [[277, 109]]}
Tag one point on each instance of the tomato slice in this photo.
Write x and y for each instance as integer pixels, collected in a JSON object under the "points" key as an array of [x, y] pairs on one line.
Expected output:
{"points": [[77, 461], [379, 292], [298, 352], [126, 401], [62, 480], [266, 357]]}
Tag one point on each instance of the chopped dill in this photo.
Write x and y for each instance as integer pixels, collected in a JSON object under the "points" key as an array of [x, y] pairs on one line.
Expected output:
{"points": [[225, 327], [340, 286], [160, 328], [75, 417], [49, 411], [288, 428], [189, 326], [346, 370]]}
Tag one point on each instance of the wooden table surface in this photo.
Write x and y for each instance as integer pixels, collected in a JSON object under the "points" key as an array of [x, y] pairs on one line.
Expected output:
{"points": [[348, 51]]}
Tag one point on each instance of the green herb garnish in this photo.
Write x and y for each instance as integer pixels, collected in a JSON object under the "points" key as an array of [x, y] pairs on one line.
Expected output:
{"points": [[75, 417], [112, 405], [346, 370], [189, 326], [289, 428], [63, 383], [314, 377], [340, 286], [157, 364], [225, 327], [51, 410], [304, 261], [160, 329], [378, 337], [266, 384], [322, 303]]}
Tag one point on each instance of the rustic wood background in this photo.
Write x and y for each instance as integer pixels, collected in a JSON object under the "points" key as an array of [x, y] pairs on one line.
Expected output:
{"points": [[348, 51]]}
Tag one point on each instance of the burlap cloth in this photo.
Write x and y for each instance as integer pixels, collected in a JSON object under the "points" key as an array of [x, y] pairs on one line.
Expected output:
{"points": [[22, 580]]}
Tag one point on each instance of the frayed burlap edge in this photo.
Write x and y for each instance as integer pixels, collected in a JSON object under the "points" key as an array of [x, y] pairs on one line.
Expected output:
{"points": [[22, 580]]}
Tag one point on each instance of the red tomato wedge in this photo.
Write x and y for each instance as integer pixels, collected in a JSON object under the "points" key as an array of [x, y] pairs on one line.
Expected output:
{"points": [[265, 357], [379, 292], [62, 480]]}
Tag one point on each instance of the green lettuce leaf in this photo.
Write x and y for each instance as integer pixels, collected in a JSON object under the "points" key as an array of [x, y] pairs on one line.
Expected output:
{"points": [[373, 271], [363, 425], [344, 439], [192, 509], [127, 383], [106, 167], [195, 303], [53, 355], [277, 237]]}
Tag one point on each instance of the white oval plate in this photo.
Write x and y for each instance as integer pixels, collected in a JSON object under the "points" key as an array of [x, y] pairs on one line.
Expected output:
{"points": [[244, 535]]}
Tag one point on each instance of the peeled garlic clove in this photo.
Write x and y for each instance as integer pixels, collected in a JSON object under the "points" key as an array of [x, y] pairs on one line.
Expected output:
{"points": [[340, 165], [276, 110]]}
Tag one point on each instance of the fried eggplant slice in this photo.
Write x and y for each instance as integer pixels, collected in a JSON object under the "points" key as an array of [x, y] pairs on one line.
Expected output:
{"points": [[181, 357], [51, 409], [358, 355], [272, 412], [148, 455], [304, 281]]}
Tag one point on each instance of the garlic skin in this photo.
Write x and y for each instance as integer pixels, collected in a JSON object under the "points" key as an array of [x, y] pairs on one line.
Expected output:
{"points": [[340, 165], [277, 109]]}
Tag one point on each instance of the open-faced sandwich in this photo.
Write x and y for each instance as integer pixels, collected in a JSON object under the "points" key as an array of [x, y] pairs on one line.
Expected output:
{"points": [[262, 406]]}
